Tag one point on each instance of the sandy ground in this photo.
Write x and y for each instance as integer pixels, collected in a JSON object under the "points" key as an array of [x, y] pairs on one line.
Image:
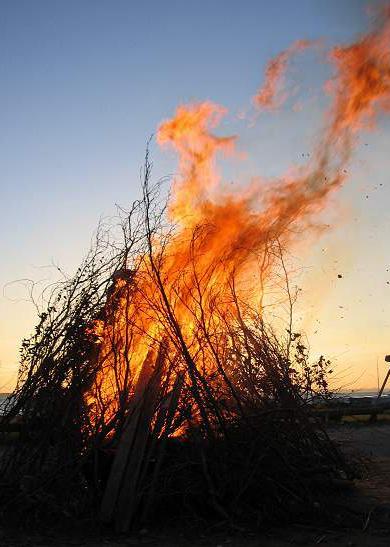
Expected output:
{"points": [[292, 536], [370, 499]]}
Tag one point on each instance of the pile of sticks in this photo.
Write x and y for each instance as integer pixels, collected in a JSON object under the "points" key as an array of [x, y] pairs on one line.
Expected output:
{"points": [[213, 426]]}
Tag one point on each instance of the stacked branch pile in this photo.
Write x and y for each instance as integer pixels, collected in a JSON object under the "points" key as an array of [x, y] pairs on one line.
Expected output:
{"points": [[205, 417]]}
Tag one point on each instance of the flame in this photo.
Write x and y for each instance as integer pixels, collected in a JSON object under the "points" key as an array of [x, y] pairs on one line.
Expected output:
{"points": [[189, 133], [217, 250], [361, 87], [268, 96]]}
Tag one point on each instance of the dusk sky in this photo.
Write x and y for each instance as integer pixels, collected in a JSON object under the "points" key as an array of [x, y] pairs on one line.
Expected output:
{"points": [[85, 83]]}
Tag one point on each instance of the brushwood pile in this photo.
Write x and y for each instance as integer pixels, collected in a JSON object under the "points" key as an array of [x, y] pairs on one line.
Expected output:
{"points": [[144, 395]]}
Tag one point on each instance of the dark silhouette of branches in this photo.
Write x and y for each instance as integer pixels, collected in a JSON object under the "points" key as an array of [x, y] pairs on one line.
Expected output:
{"points": [[221, 414]]}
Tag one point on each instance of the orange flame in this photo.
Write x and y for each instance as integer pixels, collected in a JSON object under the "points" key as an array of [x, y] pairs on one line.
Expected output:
{"points": [[268, 96], [362, 85], [222, 238], [188, 132]]}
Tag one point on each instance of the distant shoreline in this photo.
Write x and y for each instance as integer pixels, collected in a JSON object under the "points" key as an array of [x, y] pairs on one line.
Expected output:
{"points": [[353, 393]]}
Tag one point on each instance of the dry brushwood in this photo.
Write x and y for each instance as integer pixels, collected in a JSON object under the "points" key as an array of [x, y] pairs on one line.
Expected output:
{"points": [[214, 420]]}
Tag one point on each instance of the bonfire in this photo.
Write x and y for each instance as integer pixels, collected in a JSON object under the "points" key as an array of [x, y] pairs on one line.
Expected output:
{"points": [[155, 383]]}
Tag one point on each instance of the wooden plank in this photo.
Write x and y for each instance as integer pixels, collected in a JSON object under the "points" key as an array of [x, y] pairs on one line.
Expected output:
{"points": [[129, 492], [126, 442], [168, 418]]}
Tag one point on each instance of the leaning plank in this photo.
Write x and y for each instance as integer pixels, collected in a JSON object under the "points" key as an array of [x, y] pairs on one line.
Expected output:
{"points": [[126, 442], [168, 416], [129, 493]]}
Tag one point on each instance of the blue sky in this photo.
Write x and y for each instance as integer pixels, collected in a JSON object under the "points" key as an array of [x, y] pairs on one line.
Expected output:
{"points": [[85, 83]]}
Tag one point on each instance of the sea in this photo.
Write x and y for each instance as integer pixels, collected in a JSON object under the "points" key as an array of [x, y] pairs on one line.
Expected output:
{"points": [[363, 393]]}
